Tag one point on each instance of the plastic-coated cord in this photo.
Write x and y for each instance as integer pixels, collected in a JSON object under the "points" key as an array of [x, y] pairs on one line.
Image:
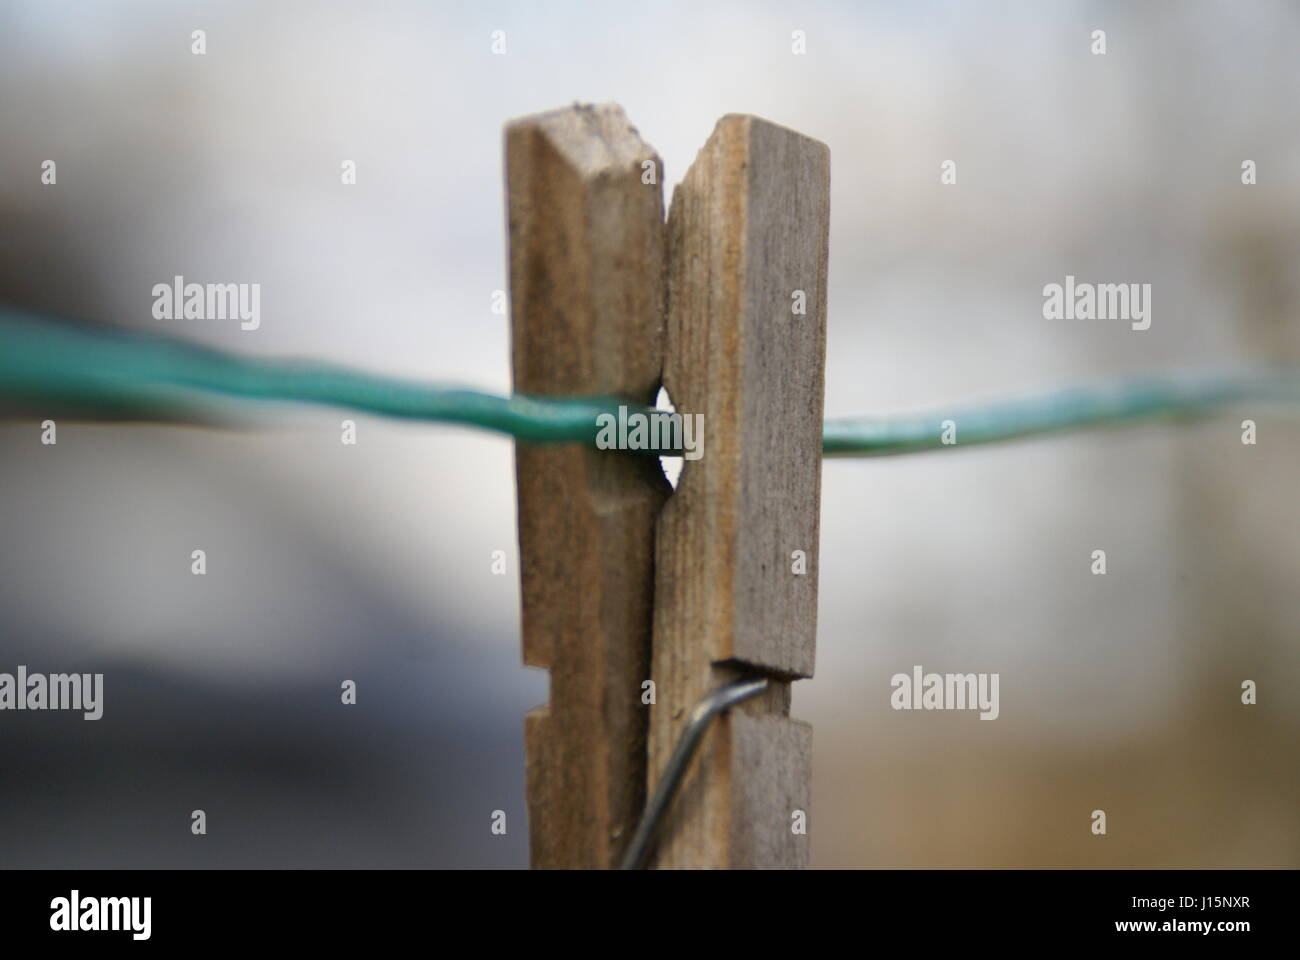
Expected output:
{"points": [[1181, 396], [92, 371]]}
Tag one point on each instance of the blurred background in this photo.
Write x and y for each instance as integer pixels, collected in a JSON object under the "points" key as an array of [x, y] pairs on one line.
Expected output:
{"points": [[373, 563]]}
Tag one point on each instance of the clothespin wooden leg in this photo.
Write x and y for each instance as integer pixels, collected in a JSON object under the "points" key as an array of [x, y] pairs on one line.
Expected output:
{"points": [[737, 541], [587, 300]]}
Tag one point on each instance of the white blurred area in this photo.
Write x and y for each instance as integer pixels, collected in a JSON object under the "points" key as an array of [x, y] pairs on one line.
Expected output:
{"points": [[1118, 692]]}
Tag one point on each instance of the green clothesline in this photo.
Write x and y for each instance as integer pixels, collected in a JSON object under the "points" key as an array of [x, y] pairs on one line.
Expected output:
{"points": [[82, 370]]}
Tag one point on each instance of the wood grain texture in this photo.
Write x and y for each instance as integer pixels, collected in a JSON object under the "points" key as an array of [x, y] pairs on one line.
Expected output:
{"points": [[587, 280], [748, 226]]}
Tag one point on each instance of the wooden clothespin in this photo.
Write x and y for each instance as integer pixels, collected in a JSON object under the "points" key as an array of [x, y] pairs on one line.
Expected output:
{"points": [[736, 577], [587, 314], [720, 578]]}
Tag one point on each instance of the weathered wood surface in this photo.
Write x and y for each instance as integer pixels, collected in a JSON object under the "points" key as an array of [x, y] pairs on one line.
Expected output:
{"points": [[587, 280], [748, 227]]}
